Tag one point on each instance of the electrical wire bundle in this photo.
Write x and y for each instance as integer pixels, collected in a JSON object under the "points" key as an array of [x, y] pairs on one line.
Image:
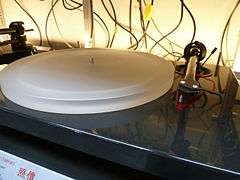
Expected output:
{"points": [[68, 5], [183, 5], [144, 26], [72, 5], [114, 19]]}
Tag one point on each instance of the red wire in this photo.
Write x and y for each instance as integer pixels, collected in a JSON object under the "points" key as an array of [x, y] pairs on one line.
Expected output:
{"points": [[213, 83]]}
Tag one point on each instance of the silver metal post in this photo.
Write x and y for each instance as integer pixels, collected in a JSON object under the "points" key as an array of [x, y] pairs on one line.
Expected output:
{"points": [[89, 40]]}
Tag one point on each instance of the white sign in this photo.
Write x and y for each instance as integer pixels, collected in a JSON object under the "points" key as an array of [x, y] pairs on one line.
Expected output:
{"points": [[13, 167]]}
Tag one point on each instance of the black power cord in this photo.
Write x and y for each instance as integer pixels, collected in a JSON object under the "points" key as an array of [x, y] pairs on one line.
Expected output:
{"points": [[105, 26], [161, 46], [174, 29], [65, 3], [135, 46], [46, 24], [34, 21], [158, 30], [193, 20], [56, 23], [115, 23]]}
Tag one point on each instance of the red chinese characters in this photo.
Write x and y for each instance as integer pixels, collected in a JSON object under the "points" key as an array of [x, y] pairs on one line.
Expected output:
{"points": [[23, 173], [31, 175]]}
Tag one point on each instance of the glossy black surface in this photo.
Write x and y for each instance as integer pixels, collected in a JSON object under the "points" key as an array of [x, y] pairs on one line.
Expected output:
{"points": [[68, 162], [202, 141]]}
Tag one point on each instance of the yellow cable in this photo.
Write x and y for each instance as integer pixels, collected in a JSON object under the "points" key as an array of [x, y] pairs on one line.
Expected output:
{"points": [[148, 11]]}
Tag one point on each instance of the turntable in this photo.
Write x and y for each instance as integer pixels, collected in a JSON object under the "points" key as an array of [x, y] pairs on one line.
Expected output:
{"points": [[116, 105], [91, 86]]}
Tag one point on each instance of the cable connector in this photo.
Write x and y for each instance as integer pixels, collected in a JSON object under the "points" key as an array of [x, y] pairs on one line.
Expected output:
{"points": [[213, 51]]}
